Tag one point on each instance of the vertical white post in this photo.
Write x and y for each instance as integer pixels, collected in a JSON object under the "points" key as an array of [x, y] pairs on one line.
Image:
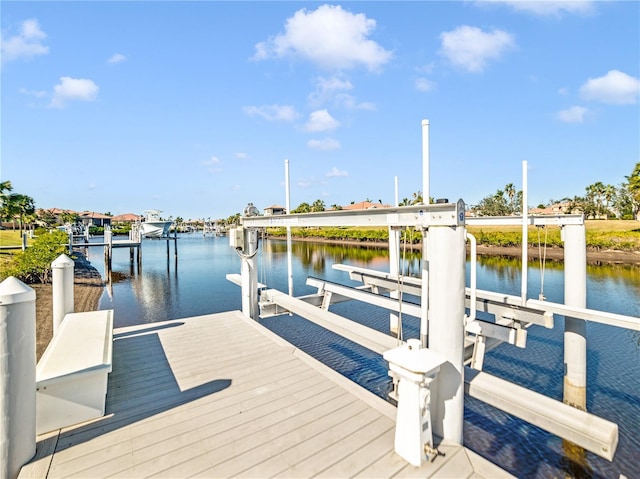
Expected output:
{"points": [[17, 376], [446, 326], [24, 241], [287, 187], [425, 162], [424, 292], [62, 288], [525, 236], [394, 261], [249, 274], [425, 257], [575, 330]]}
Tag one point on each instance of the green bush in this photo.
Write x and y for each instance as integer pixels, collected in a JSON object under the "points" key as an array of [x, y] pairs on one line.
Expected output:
{"points": [[34, 264]]}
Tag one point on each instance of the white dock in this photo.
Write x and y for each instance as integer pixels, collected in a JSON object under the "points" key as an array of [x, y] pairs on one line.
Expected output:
{"points": [[221, 396]]}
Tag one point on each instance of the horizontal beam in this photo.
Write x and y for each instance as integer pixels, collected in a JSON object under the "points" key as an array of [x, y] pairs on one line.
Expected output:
{"points": [[365, 296], [444, 214], [486, 301], [588, 431], [356, 332], [491, 302], [534, 220]]}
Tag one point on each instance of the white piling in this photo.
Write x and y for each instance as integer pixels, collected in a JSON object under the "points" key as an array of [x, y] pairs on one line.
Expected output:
{"points": [[62, 288], [17, 376], [575, 330], [446, 326], [249, 274]]}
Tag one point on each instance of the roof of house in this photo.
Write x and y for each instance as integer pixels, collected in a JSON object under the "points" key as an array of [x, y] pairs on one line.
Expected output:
{"points": [[127, 217], [364, 205], [93, 214]]}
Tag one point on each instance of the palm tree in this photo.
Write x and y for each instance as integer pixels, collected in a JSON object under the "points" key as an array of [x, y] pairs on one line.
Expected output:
{"points": [[18, 205], [634, 187], [318, 205], [5, 187], [510, 191]]}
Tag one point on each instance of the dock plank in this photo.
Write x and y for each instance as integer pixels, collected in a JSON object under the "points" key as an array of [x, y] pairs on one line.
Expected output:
{"points": [[219, 396]]}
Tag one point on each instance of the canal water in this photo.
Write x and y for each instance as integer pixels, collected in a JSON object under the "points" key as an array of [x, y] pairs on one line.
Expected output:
{"points": [[194, 283]]}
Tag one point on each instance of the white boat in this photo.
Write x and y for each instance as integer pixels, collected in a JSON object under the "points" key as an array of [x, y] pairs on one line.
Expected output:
{"points": [[153, 226]]}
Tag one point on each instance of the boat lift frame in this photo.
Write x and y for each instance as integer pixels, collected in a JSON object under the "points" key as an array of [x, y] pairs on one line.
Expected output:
{"points": [[443, 323]]}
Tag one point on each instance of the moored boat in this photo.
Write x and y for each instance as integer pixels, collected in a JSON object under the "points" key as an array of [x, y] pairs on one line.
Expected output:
{"points": [[153, 226]]}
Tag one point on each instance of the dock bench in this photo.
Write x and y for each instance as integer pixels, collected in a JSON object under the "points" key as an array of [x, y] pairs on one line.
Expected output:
{"points": [[71, 376]]}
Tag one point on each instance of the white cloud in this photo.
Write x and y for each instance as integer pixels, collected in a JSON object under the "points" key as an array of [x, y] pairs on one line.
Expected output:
{"points": [[241, 156], [117, 58], [330, 37], [73, 89], [575, 114], [546, 7], [26, 44], [321, 120], [273, 112], [422, 84], [335, 172], [324, 145], [35, 93], [212, 164], [616, 88], [333, 90], [327, 89], [470, 48]]}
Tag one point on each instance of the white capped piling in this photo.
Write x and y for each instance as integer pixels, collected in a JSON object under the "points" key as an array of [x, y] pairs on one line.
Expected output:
{"points": [[17, 376], [446, 285], [62, 288], [575, 330]]}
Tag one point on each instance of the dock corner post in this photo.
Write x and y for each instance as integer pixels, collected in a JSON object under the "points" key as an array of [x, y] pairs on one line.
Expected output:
{"points": [[446, 325], [575, 330], [17, 376], [62, 272]]}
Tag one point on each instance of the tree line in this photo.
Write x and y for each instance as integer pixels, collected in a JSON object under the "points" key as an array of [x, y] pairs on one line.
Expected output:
{"points": [[599, 201]]}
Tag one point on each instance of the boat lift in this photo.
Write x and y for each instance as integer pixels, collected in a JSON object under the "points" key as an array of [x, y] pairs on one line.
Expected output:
{"points": [[447, 360]]}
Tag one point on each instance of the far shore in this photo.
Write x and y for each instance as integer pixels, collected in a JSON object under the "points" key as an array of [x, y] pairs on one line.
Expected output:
{"points": [[554, 253]]}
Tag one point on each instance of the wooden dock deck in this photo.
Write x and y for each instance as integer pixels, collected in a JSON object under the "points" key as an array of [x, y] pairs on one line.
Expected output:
{"points": [[221, 396]]}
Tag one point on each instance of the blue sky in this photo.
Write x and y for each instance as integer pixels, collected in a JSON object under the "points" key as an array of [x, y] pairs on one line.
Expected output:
{"points": [[192, 107]]}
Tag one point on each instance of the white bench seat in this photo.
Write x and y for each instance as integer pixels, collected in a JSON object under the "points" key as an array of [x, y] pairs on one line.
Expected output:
{"points": [[71, 376]]}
